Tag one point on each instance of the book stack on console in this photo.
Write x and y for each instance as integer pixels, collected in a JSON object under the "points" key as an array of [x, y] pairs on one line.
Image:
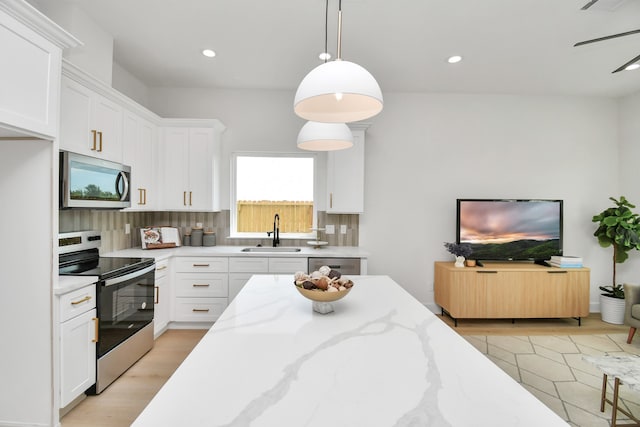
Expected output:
{"points": [[566, 261]]}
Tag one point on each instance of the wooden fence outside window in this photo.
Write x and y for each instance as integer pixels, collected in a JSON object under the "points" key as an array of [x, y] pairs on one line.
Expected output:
{"points": [[257, 216]]}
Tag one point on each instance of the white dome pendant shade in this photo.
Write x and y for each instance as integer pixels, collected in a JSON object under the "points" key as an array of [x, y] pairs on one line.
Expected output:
{"points": [[338, 92], [316, 136]]}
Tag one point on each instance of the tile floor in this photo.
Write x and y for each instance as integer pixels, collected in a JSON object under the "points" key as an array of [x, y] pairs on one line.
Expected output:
{"points": [[551, 368]]}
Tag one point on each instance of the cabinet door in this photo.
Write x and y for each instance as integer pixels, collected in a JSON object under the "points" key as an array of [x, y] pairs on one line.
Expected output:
{"points": [[345, 178], [75, 118], [200, 168], [107, 123], [139, 153], [161, 306], [175, 168], [29, 78], [77, 356], [236, 283]]}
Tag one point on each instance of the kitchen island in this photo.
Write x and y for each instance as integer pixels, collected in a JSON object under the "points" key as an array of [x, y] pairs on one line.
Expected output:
{"points": [[380, 359]]}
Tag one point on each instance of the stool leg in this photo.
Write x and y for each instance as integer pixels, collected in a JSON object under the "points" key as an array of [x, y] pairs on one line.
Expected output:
{"points": [[604, 392], [632, 332]]}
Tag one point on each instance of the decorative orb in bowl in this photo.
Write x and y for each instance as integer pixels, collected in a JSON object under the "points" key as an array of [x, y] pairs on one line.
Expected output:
{"points": [[322, 296]]}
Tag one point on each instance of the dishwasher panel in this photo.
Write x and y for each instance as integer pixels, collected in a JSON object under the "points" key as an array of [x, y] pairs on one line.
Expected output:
{"points": [[343, 265]]}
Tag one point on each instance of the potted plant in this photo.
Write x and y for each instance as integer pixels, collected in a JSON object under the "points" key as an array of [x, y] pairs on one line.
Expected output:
{"points": [[460, 251], [618, 227]]}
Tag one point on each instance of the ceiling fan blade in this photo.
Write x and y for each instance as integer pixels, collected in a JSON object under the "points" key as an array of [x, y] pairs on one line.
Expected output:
{"points": [[613, 36], [588, 5], [622, 67]]}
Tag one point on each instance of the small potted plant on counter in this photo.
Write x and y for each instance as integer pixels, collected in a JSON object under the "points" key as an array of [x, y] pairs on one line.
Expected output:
{"points": [[460, 250], [619, 227]]}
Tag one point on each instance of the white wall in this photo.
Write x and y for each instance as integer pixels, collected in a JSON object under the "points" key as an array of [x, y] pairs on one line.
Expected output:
{"points": [[425, 150], [127, 83], [629, 171]]}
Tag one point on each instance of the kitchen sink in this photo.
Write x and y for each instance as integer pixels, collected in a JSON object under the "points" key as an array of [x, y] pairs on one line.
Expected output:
{"points": [[270, 249]]}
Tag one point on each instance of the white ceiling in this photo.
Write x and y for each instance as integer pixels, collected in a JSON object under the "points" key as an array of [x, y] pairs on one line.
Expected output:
{"points": [[509, 46]]}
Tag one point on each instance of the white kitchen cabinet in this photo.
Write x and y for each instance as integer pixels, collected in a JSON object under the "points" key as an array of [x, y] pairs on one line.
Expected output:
{"points": [[90, 124], [242, 268], [139, 151], [200, 288], [162, 298], [30, 72], [190, 168], [78, 335]]}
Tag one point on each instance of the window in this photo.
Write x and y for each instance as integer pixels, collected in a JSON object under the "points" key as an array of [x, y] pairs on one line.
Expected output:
{"points": [[267, 184]]}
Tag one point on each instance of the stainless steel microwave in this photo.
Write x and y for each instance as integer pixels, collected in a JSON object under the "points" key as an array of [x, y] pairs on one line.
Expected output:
{"points": [[88, 182]]}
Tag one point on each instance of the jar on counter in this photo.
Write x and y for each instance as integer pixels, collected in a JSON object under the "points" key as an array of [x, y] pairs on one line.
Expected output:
{"points": [[209, 238], [196, 237], [186, 239]]}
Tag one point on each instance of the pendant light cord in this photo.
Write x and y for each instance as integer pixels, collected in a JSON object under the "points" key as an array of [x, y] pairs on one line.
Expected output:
{"points": [[339, 54], [326, 31]]}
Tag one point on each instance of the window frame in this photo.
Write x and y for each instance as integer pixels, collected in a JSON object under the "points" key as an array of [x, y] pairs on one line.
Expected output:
{"points": [[234, 234]]}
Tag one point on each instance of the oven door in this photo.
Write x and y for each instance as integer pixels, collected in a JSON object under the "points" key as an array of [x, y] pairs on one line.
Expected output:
{"points": [[125, 306]]}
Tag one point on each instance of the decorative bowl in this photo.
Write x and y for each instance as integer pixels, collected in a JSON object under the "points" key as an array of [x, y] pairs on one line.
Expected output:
{"points": [[322, 296]]}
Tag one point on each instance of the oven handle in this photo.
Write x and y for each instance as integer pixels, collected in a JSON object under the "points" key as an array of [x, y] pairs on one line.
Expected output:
{"points": [[129, 276]]}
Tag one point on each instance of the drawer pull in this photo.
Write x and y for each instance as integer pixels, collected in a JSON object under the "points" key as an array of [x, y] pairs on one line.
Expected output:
{"points": [[200, 285], [558, 272], [487, 272], [201, 265], [97, 323], [164, 267], [80, 301], [200, 310]]}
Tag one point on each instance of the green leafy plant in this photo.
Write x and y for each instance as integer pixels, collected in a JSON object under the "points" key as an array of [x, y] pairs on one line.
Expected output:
{"points": [[613, 291], [618, 226]]}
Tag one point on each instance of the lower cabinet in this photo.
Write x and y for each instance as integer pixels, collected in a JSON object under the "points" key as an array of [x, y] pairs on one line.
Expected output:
{"points": [[78, 335], [162, 298], [201, 288], [242, 268]]}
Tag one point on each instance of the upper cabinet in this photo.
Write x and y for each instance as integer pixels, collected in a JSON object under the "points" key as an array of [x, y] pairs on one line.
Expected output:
{"points": [[139, 140], [30, 72], [191, 165], [345, 177], [90, 124]]}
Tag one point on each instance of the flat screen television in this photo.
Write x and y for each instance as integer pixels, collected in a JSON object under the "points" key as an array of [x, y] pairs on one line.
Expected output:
{"points": [[513, 230]]}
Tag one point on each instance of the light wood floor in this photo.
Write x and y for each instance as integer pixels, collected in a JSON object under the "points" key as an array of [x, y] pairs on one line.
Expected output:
{"points": [[121, 403]]}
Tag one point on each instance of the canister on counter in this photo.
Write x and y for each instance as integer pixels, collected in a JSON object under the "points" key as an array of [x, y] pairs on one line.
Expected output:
{"points": [[186, 239], [209, 238], [196, 237]]}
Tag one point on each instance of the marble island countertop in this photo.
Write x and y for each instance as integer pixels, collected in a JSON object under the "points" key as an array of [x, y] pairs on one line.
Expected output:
{"points": [[380, 359]]}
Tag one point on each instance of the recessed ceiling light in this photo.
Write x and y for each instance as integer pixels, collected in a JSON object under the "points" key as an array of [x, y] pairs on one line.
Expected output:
{"points": [[208, 53], [633, 66], [325, 56], [454, 59]]}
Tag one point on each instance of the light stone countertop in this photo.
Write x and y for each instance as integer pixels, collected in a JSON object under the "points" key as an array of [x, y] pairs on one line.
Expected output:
{"points": [[380, 359], [195, 251], [68, 284]]}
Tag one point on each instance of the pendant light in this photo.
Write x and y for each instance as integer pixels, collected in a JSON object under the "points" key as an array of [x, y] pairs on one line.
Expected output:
{"points": [[338, 91], [315, 136]]}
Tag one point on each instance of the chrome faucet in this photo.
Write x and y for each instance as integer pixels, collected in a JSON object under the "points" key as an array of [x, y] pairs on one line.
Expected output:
{"points": [[276, 230]]}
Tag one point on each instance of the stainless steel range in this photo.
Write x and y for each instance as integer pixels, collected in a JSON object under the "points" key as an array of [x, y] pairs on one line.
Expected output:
{"points": [[125, 297]]}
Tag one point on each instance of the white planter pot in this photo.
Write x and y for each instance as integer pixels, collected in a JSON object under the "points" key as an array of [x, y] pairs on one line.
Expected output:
{"points": [[612, 310]]}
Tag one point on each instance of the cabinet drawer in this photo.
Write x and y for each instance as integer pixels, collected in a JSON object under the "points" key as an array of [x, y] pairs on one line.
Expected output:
{"points": [[199, 309], [248, 265], [77, 302], [162, 267], [287, 265], [202, 285], [213, 264]]}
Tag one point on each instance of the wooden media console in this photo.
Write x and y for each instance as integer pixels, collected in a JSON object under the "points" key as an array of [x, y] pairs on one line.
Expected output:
{"points": [[511, 290]]}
